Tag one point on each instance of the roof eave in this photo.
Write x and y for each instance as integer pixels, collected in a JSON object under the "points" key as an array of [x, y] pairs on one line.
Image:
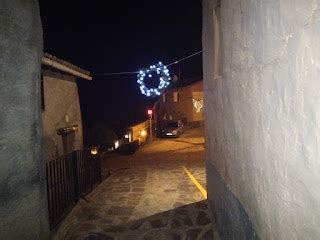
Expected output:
{"points": [[49, 62]]}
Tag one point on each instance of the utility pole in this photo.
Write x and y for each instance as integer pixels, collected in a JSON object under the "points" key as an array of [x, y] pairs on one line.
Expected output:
{"points": [[150, 122]]}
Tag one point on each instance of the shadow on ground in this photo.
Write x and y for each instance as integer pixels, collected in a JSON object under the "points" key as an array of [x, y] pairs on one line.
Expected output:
{"points": [[191, 143], [169, 159], [188, 222]]}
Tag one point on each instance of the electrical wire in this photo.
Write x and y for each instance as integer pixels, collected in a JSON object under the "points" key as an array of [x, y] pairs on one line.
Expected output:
{"points": [[135, 72], [115, 73], [185, 58]]}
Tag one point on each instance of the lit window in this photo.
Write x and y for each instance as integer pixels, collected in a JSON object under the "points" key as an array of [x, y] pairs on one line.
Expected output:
{"points": [[176, 97]]}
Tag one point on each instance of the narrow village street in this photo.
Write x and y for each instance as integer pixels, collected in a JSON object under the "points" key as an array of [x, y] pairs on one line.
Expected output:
{"points": [[156, 193]]}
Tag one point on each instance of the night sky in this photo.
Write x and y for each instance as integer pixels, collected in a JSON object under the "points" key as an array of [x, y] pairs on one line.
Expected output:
{"points": [[116, 36]]}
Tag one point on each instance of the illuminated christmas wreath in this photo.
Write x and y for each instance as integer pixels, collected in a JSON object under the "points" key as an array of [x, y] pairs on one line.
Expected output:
{"points": [[164, 79]]}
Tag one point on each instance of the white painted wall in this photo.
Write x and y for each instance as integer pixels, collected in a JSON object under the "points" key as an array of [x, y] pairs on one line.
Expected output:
{"points": [[263, 115]]}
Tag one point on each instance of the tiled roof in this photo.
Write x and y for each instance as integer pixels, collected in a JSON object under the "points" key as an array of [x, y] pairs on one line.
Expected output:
{"points": [[66, 64]]}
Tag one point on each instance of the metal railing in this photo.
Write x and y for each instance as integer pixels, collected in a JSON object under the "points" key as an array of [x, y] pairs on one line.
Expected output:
{"points": [[70, 177]]}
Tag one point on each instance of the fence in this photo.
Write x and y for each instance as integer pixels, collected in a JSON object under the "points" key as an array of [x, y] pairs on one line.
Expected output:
{"points": [[68, 178]]}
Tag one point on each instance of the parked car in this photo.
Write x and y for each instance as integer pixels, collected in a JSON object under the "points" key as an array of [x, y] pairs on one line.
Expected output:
{"points": [[173, 128]]}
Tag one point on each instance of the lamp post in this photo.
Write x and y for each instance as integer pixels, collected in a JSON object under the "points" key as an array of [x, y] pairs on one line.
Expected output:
{"points": [[150, 122]]}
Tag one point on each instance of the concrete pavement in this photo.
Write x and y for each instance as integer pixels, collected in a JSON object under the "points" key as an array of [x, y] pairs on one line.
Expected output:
{"points": [[147, 196]]}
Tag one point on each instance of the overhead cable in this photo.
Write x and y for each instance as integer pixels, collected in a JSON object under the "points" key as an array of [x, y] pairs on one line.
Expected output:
{"points": [[135, 72]]}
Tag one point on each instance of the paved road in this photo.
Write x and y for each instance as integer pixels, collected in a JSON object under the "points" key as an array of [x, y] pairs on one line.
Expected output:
{"points": [[148, 195]]}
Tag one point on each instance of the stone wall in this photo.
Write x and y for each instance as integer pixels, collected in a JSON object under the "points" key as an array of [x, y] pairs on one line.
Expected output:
{"points": [[23, 203], [61, 109], [263, 117], [182, 109]]}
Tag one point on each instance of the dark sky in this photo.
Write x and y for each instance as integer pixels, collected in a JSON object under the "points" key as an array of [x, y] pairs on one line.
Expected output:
{"points": [[112, 36]]}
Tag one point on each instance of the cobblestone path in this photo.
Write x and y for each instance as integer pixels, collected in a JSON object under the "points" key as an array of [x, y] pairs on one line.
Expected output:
{"points": [[147, 196]]}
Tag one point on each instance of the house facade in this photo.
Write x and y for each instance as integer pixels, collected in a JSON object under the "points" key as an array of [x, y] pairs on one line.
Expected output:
{"points": [[61, 114], [185, 103]]}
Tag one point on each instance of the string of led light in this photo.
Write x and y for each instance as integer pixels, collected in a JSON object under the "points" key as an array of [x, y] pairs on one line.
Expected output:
{"points": [[164, 79], [159, 69]]}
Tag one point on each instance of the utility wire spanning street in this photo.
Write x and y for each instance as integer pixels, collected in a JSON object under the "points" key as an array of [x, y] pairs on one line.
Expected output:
{"points": [[156, 193]]}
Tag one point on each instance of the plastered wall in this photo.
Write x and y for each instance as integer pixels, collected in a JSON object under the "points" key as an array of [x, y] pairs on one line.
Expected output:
{"points": [[23, 203], [263, 117], [62, 109]]}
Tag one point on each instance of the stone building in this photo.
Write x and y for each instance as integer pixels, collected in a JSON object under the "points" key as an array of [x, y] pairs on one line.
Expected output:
{"points": [[262, 112], [61, 114], [181, 102]]}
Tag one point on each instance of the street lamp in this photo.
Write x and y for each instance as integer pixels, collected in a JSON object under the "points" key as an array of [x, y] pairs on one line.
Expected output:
{"points": [[143, 133], [94, 150]]}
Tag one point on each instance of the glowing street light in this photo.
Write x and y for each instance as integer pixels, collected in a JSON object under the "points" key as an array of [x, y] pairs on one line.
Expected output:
{"points": [[116, 144], [94, 150], [143, 133]]}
